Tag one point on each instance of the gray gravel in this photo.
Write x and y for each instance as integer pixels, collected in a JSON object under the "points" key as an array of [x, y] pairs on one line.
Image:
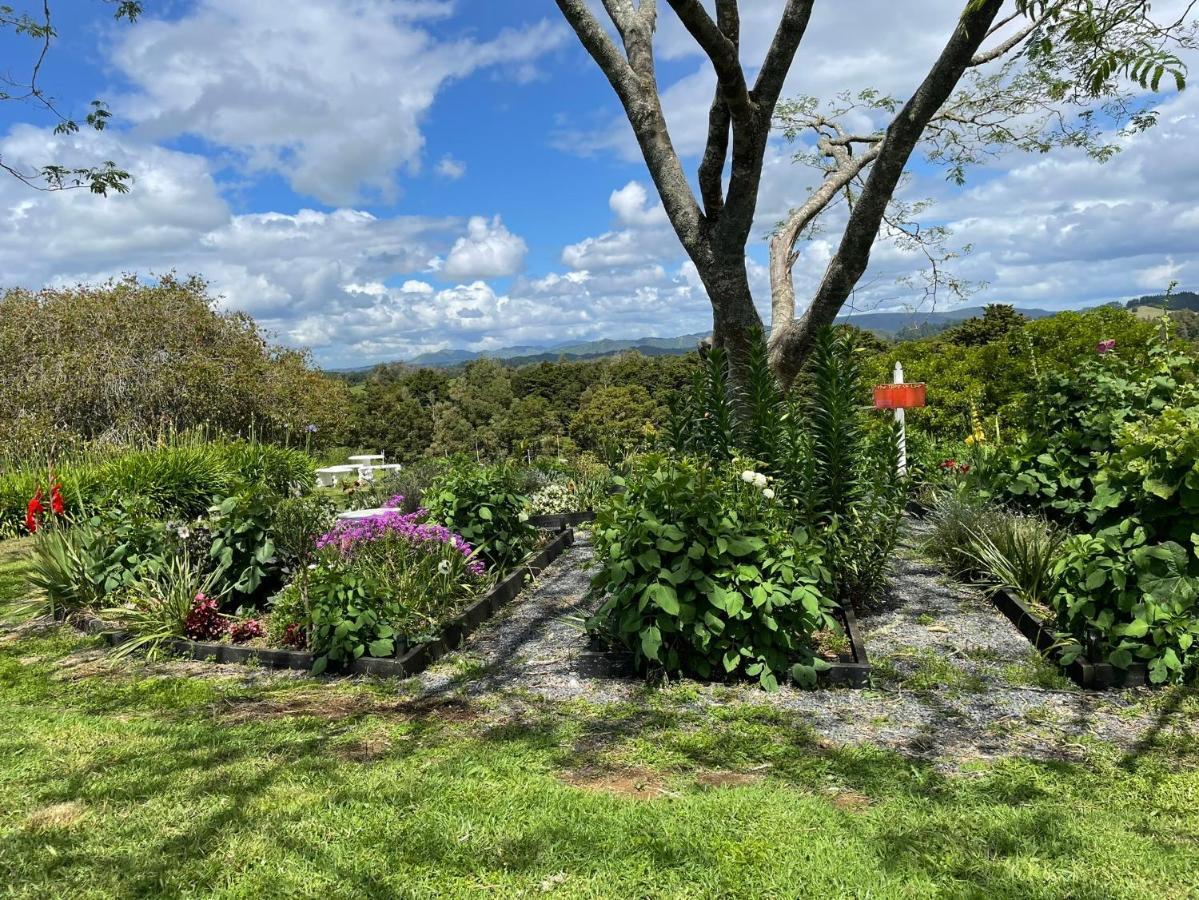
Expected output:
{"points": [[954, 680]]}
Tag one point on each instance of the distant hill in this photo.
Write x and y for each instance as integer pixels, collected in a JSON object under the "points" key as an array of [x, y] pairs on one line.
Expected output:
{"points": [[884, 324], [1180, 300], [890, 324], [648, 346]]}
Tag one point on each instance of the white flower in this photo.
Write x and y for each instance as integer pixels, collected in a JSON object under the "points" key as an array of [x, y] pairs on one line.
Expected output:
{"points": [[184, 533], [443, 567], [768, 493], [759, 480], [749, 477]]}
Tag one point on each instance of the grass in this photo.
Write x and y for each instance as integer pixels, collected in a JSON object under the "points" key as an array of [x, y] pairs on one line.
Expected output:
{"points": [[133, 782], [14, 561]]}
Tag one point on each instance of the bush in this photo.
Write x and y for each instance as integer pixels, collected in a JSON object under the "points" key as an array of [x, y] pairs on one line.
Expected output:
{"points": [[1018, 552], [1122, 599], [243, 545], [128, 357], [169, 602], [485, 506], [380, 577], [702, 574], [830, 472]]}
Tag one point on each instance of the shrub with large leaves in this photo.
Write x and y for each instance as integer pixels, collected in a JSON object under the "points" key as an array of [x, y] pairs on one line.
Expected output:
{"points": [[702, 573], [1122, 599], [484, 504]]}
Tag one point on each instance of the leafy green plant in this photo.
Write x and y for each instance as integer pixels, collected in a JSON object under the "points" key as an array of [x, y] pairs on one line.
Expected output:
{"points": [[701, 573], [832, 473], [485, 506], [156, 607], [1124, 599], [243, 545], [61, 568], [296, 524], [1018, 552], [350, 617]]}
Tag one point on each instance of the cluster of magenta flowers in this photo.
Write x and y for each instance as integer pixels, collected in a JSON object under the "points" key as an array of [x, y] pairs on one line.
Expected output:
{"points": [[349, 534]]}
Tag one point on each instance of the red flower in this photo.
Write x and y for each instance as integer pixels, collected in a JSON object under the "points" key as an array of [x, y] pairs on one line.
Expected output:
{"points": [[56, 504], [33, 511]]}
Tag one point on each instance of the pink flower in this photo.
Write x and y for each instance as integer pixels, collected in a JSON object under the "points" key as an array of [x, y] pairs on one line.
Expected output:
{"points": [[1105, 346]]}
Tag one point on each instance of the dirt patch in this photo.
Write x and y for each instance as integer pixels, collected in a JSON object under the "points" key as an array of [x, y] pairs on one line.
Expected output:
{"points": [[316, 704], [366, 750], [639, 784], [851, 801], [443, 709], [56, 816], [716, 779]]}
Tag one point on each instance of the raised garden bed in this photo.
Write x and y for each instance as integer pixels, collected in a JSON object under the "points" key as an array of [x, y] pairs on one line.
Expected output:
{"points": [[851, 670], [409, 659], [559, 521], [1086, 674]]}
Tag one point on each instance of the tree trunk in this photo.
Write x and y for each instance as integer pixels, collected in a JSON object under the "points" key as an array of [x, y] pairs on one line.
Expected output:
{"points": [[735, 320]]}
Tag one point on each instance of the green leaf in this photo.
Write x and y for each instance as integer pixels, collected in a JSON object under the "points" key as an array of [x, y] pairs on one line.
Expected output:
{"points": [[485, 513], [382, 647], [651, 642], [664, 597]]}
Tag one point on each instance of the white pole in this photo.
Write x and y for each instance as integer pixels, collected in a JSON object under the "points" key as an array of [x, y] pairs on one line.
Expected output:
{"points": [[899, 417]]}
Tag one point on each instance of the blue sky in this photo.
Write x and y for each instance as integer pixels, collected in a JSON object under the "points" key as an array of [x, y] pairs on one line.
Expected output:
{"points": [[377, 178]]}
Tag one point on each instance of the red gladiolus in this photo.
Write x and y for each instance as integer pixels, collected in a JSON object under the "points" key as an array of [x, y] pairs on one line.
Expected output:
{"points": [[56, 505], [33, 511]]}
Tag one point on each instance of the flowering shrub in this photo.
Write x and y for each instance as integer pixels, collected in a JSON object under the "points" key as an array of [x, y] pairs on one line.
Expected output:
{"points": [[245, 630], [382, 577], [702, 573], [553, 499], [204, 621]]}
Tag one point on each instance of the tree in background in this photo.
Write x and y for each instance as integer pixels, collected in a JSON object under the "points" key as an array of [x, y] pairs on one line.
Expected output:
{"points": [[995, 323], [1078, 50], [39, 26], [126, 360]]}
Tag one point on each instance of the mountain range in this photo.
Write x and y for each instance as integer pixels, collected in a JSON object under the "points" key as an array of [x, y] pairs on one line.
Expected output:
{"points": [[884, 324]]}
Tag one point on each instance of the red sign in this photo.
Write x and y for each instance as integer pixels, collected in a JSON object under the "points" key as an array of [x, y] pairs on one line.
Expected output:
{"points": [[898, 396]]}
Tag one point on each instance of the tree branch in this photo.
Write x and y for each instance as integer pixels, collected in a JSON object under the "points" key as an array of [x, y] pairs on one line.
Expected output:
{"points": [[777, 64], [635, 84], [986, 56], [721, 50], [790, 338]]}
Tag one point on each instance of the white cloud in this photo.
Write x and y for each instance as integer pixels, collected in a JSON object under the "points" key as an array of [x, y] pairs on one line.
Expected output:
{"points": [[451, 168], [331, 94], [488, 250], [632, 207]]}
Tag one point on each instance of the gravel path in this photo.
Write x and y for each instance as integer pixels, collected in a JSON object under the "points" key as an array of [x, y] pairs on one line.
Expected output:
{"points": [[954, 680]]}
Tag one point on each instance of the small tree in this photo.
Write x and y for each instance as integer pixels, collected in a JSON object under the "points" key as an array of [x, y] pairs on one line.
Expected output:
{"points": [[1077, 52]]}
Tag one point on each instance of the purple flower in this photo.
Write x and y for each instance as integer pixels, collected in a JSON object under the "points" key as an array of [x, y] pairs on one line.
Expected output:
{"points": [[311, 429], [395, 502], [348, 534], [1105, 346]]}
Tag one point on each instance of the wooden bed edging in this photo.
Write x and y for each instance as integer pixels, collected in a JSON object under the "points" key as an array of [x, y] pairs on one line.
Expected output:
{"points": [[559, 521], [1089, 675], [410, 660], [854, 674]]}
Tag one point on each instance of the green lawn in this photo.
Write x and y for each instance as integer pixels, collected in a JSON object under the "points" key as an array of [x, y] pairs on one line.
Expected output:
{"points": [[129, 782]]}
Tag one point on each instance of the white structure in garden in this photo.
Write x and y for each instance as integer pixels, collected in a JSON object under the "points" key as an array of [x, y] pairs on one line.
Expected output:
{"points": [[360, 468]]}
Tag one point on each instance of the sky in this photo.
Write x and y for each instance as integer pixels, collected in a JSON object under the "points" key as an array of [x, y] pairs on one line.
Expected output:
{"points": [[374, 179]]}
